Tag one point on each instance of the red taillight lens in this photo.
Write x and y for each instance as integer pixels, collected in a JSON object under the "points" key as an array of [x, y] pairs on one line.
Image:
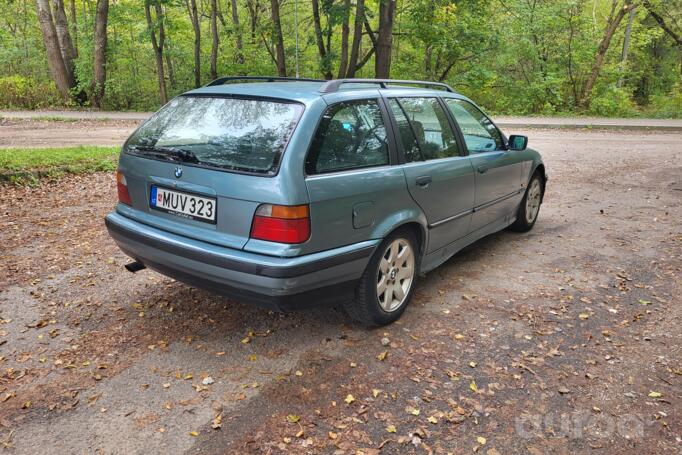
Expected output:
{"points": [[122, 187], [282, 224]]}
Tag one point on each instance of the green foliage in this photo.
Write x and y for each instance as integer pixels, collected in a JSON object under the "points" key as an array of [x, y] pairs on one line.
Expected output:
{"points": [[511, 56], [613, 102], [24, 93], [667, 106], [27, 166]]}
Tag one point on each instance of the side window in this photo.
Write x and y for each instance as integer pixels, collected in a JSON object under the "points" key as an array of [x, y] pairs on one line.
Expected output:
{"points": [[479, 132], [430, 124], [351, 135], [412, 152]]}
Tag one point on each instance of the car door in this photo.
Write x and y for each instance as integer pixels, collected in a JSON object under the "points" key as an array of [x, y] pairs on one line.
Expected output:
{"points": [[439, 178], [498, 174], [350, 180]]}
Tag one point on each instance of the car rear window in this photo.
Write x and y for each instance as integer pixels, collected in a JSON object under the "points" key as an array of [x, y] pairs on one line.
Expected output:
{"points": [[229, 133]]}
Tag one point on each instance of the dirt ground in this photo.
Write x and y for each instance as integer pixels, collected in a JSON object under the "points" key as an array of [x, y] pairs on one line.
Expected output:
{"points": [[563, 340], [51, 133]]}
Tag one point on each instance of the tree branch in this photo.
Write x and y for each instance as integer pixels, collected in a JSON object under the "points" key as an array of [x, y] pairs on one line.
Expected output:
{"points": [[661, 22]]}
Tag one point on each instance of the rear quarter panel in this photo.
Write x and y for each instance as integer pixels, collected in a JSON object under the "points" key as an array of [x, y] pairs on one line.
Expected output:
{"points": [[378, 196]]}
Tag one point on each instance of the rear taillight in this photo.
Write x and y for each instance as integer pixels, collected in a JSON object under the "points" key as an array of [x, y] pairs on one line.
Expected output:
{"points": [[122, 187], [281, 223]]}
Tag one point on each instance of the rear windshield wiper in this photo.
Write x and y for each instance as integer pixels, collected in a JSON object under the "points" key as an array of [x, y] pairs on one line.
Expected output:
{"points": [[179, 154]]}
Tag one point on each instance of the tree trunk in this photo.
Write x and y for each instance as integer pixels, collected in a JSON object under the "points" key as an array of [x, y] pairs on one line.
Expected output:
{"points": [[74, 24], [369, 53], [55, 61], [215, 40], [615, 18], [196, 26], [157, 45], [239, 56], [100, 54], [345, 31], [64, 37], [279, 39], [324, 61], [626, 46], [357, 38], [254, 12], [169, 66], [382, 65]]}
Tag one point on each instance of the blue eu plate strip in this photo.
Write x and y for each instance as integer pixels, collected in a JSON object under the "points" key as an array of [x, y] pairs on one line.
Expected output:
{"points": [[152, 197]]}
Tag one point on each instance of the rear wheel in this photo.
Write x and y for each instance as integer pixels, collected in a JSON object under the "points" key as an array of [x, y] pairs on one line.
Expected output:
{"points": [[529, 208], [387, 285]]}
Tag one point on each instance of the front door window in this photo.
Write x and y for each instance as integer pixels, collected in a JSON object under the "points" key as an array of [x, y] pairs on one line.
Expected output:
{"points": [[479, 132]]}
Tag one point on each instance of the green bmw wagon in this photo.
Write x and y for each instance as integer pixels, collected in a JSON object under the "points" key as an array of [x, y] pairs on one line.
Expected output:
{"points": [[292, 192]]}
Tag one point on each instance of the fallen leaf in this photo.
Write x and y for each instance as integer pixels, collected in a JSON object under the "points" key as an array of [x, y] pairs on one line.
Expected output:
{"points": [[481, 440], [391, 429], [653, 394], [349, 399], [433, 420], [193, 433], [473, 387], [217, 422], [293, 418], [382, 356], [375, 392]]}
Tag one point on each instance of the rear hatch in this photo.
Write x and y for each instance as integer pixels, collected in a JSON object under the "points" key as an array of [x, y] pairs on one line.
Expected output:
{"points": [[202, 165]]}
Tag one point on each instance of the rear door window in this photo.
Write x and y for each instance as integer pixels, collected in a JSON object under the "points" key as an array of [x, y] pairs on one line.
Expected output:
{"points": [[479, 132], [430, 124], [351, 135], [229, 133], [407, 136]]}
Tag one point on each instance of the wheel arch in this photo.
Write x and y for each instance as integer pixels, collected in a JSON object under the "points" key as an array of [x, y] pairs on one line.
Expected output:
{"points": [[414, 220]]}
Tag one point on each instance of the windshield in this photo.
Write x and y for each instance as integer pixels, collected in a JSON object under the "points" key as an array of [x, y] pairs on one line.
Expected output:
{"points": [[230, 133]]}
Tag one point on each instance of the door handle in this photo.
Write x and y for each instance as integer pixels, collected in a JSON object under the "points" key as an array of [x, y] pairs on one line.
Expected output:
{"points": [[482, 169], [423, 181]]}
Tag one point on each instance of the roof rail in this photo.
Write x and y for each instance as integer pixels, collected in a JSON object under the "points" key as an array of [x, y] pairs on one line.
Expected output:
{"points": [[229, 79], [335, 84]]}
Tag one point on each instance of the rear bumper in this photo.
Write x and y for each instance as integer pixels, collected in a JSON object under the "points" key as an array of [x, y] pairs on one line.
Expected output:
{"points": [[274, 282]]}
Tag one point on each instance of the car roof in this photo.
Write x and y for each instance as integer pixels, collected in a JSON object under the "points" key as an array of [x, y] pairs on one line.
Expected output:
{"points": [[308, 91]]}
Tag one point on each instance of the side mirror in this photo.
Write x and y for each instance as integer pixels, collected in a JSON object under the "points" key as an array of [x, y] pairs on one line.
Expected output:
{"points": [[518, 142]]}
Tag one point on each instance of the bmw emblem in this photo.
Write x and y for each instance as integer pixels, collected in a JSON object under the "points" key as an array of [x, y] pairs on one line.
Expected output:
{"points": [[178, 172]]}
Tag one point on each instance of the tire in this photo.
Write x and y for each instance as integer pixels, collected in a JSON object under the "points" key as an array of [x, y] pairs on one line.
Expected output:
{"points": [[528, 210], [399, 276]]}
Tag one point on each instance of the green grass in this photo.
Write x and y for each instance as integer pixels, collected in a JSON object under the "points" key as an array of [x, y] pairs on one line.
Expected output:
{"points": [[54, 118], [26, 166]]}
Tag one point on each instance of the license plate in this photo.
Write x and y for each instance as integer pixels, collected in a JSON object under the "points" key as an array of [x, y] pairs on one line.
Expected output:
{"points": [[183, 204]]}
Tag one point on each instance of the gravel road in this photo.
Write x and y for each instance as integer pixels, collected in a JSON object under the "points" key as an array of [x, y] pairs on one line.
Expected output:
{"points": [[566, 339], [45, 129]]}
